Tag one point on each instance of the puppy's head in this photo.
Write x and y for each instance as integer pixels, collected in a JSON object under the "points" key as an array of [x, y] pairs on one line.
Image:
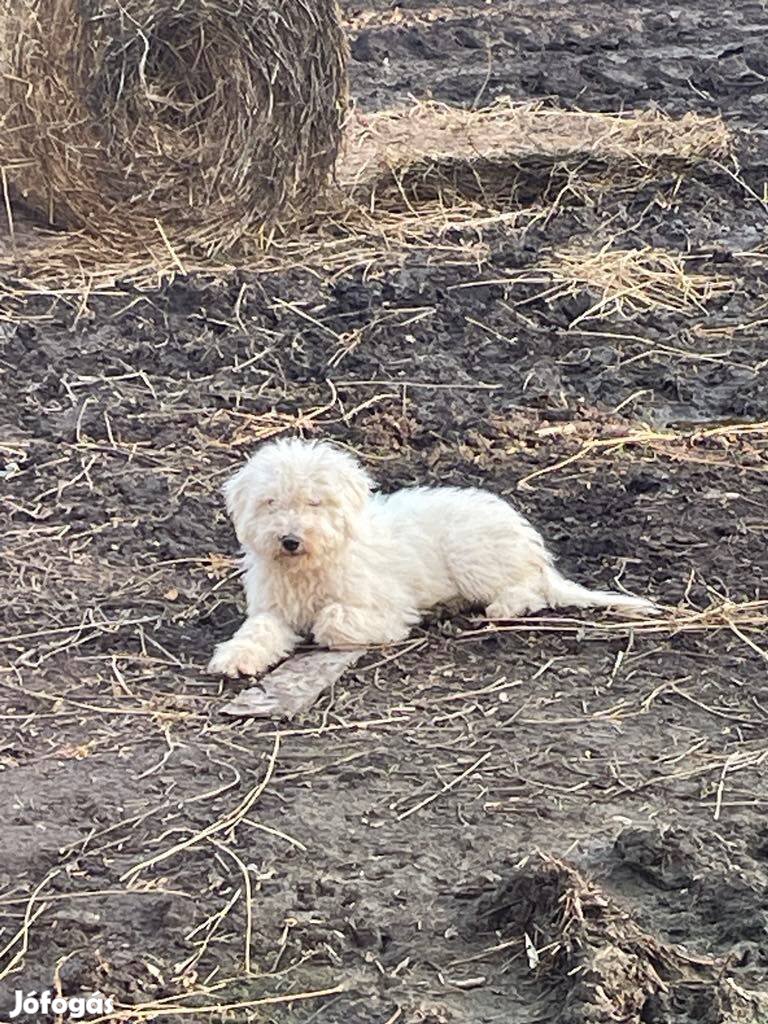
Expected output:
{"points": [[297, 501]]}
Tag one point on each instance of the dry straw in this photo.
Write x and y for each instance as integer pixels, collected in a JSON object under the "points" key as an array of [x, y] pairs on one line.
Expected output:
{"points": [[195, 120], [628, 281], [431, 149], [404, 176]]}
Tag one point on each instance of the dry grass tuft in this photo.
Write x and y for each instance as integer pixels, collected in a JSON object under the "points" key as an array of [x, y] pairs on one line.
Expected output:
{"points": [[710, 445], [193, 122]]}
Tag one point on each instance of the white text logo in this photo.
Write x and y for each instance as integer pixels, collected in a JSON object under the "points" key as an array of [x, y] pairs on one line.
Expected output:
{"points": [[47, 1004]]}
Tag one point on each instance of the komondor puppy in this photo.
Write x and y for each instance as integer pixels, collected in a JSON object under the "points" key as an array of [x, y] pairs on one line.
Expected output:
{"points": [[324, 555]]}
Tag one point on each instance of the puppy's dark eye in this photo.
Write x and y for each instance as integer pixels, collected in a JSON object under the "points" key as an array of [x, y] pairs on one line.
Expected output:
{"points": [[268, 501]]}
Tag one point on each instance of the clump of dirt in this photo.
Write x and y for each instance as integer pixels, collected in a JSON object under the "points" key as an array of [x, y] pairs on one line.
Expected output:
{"points": [[598, 963], [666, 860], [696, 891]]}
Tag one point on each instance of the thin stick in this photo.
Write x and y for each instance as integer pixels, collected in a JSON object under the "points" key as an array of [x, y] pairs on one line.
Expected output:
{"points": [[149, 1011], [449, 786], [247, 895], [23, 932], [223, 824], [8, 207]]}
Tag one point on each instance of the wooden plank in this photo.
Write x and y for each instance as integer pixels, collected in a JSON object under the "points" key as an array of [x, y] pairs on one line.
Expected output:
{"points": [[293, 686]]}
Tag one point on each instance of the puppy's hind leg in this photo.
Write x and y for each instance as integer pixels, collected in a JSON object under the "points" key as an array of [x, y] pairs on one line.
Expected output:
{"points": [[339, 625], [515, 601]]}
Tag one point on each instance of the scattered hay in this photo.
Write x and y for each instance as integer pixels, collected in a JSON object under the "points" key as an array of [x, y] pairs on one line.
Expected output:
{"points": [[189, 123], [604, 968], [704, 444], [429, 149], [426, 173], [740, 617], [630, 281]]}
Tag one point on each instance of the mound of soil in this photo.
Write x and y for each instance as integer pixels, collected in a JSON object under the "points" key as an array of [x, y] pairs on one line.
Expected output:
{"points": [[598, 965]]}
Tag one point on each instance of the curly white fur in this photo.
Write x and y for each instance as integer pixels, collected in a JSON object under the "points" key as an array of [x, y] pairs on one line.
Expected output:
{"points": [[326, 556]]}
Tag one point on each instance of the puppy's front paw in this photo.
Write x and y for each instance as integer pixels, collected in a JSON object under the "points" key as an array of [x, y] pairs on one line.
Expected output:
{"points": [[234, 658]]}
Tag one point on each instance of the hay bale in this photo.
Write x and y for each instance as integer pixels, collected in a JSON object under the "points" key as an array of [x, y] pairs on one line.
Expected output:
{"points": [[197, 120]]}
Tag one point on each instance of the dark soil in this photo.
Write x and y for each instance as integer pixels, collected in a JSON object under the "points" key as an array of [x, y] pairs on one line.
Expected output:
{"points": [[638, 757]]}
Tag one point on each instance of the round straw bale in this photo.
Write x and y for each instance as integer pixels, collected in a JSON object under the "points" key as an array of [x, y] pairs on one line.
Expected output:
{"points": [[191, 120]]}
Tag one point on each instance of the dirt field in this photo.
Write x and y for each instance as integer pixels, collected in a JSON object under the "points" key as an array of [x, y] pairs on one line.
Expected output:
{"points": [[595, 786]]}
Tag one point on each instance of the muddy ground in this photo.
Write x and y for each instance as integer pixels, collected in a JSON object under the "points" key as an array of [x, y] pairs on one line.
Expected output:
{"points": [[391, 820]]}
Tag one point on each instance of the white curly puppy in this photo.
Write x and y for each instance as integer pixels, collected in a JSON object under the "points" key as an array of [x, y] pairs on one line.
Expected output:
{"points": [[324, 555]]}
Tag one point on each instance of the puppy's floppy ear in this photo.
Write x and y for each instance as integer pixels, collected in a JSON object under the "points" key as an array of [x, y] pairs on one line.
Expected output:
{"points": [[354, 486], [235, 492]]}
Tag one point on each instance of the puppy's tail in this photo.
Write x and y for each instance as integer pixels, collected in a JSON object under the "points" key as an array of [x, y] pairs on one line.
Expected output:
{"points": [[564, 593]]}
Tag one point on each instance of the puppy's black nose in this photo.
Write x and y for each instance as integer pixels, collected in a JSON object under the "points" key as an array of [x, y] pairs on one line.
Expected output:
{"points": [[290, 543]]}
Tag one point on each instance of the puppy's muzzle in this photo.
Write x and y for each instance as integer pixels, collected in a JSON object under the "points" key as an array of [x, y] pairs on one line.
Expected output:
{"points": [[290, 543]]}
